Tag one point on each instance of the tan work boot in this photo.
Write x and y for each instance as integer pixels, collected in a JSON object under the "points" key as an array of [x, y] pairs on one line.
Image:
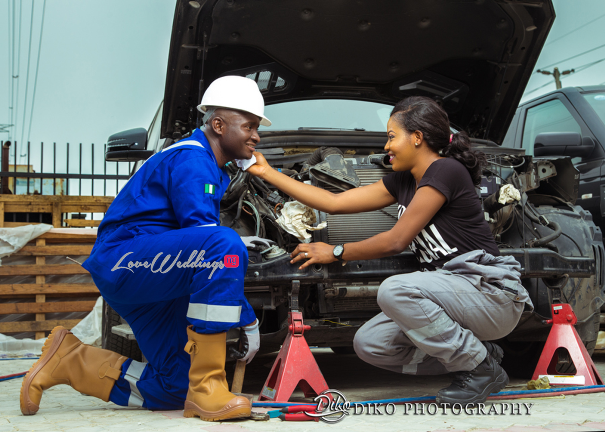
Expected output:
{"points": [[66, 360], [209, 397]]}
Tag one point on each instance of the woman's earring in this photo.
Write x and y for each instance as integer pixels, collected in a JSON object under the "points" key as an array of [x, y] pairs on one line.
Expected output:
{"points": [[417, 144]]}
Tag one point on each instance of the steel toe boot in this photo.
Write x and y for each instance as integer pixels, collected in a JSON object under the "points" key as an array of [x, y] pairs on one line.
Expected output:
{"points": [[474, 386], [66, 360], [209, 397]]}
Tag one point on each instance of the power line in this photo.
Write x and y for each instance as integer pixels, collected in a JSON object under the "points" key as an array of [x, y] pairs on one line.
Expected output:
{"points": [[577, 70], [576, 29], [31, 27], [31, 115], [16, 106], [10, 70], [541, 87], [573, 57], [587, 65]]}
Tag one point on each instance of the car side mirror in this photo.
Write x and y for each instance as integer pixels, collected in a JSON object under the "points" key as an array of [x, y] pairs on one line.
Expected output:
{"points": [[128, 146], [563, 144]]}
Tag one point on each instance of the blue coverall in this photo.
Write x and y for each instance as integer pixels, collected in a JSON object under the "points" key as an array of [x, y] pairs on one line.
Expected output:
{"points": [[159, 261]]}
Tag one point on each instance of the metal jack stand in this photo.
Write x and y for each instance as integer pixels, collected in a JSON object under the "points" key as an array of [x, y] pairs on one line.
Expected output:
{"points": [[294, 365], [564, 335]]}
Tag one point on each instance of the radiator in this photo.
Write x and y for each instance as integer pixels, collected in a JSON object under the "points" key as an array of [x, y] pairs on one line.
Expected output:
{"points": [[356, 227]]}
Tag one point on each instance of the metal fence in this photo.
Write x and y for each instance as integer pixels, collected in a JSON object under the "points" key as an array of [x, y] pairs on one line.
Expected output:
{"points": [[64, 169]]}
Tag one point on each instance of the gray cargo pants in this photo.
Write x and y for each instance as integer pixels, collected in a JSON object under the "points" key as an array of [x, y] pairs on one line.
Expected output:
{"points": [[433, 322]]}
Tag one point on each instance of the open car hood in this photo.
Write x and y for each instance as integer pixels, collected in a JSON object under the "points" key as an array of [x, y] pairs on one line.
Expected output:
{"points": [[473, 56]]}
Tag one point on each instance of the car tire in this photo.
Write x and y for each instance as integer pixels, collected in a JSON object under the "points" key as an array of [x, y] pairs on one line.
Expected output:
{"points": [[115, 343]]}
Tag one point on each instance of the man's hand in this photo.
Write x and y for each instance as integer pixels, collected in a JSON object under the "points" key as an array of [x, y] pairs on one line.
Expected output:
{"points": [[261, 167], [250, 343], [314, 253]]}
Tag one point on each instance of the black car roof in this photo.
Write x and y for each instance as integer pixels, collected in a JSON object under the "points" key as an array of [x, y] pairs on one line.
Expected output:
{"points": [[566, 90], [474, 56]]}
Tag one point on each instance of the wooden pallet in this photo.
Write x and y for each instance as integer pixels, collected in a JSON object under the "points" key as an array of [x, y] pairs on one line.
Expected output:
{"points": [[56, 205], [33, 289]]}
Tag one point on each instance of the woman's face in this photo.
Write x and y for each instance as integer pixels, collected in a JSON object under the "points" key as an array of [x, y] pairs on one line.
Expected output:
{"points": [[400, 146]]}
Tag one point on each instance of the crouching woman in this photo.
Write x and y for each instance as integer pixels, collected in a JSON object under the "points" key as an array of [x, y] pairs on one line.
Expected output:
{"points": [[438, 320]]}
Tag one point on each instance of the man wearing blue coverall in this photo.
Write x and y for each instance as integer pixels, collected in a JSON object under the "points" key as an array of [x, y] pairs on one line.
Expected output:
{"points": [[162, 261]]}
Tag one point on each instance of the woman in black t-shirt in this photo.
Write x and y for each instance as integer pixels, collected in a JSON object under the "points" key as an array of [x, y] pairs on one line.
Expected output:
{"points": [[432, 321]]}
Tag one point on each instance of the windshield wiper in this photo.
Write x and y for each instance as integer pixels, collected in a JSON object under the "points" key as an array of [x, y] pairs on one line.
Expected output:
{"points": [[329, 128]]}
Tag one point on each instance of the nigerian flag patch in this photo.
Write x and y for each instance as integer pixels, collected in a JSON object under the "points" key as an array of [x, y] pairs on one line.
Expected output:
{"points": [[209, 189]]}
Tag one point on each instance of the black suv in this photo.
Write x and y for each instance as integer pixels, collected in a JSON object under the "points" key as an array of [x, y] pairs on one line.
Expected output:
{"points": [[330, 73]]}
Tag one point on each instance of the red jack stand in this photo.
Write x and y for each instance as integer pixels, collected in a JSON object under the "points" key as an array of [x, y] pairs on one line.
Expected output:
{"points": [[564, 335], [294, 365]]}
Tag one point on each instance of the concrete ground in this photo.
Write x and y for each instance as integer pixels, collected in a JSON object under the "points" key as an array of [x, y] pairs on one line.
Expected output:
{"points": [[63, 409]]}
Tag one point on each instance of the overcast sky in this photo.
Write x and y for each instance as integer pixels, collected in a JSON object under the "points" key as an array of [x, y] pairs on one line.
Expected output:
{"points": [[102, 64]]}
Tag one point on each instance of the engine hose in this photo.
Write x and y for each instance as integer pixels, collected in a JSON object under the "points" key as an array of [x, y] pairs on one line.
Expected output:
{"points": [[255, 214], [546, 239], [320, 154], [258, 182], [239, 210], [550, 237], [495, 396]]}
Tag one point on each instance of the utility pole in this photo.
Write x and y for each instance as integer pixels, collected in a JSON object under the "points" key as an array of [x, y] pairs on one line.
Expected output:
{"points": [[556, 74]]}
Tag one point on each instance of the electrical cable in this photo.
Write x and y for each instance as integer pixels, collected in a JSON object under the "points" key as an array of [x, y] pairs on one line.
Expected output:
{"points": [[572, 57], [575, 30], [10, 73], [12, 376], [506, 166], [16, 106], [256, 214], [20, 358], [31, 115], [518, 394], [576, 70], [31, 27]]}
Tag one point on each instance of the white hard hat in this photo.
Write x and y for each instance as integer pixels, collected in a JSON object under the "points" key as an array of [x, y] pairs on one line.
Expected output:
{"points": [[235, 92]]}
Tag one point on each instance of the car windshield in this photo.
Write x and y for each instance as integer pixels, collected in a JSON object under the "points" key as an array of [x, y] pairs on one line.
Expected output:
{"points": [[328, 114], [597, 102]]}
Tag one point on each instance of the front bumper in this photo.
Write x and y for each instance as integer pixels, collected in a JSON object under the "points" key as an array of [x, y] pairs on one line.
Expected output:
{"points": [[538, 262]]}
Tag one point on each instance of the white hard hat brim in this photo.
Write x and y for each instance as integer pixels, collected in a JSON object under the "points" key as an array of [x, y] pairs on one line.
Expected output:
{"points": [[264, 121]]}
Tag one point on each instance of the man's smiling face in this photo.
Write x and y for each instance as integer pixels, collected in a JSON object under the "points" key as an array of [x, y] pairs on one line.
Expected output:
{"points": [[239, 133]]}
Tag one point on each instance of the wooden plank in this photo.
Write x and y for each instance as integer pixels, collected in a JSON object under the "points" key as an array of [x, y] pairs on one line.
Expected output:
{"points": [[48, 307], [49, 199], [40, 298], [27, 208], [56, 214], [2, 214], [55, 250], [36, 326], [83, 208], [70, 234], [65, 288], [82, 222], [46, 269]]}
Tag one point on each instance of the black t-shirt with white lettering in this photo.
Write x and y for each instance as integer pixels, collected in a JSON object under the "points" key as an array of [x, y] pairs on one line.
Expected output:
{"points": [[458, 227]]}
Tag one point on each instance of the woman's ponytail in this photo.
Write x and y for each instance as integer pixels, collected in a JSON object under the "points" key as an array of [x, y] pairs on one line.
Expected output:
{"points": [[418, 113], [459, 148]]}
